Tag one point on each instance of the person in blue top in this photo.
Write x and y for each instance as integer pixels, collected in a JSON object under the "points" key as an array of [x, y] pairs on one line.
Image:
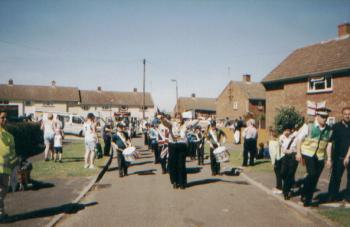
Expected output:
{"points": [[120, 141]]}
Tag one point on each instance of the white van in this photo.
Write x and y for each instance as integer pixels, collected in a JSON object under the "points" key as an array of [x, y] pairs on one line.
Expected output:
{"points": [[71, 123]]}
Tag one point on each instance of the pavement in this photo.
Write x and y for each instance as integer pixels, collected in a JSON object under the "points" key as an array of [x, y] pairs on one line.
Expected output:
{"points": [[47, 198], [146, 198]]}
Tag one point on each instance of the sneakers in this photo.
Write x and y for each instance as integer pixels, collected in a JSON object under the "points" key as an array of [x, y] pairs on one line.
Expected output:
{"points": [[92, 167], [276, 191], [86, 166]]}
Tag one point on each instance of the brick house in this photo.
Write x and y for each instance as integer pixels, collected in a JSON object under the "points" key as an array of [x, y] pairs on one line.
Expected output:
{"points": [[200, 107], [241, 98], [315, 73], [28, 99], [106, 103]]}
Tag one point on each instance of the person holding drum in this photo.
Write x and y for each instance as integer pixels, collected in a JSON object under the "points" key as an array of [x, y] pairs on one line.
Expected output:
{"points": [[163, 141], [214, 137], [177, 151], [121, 141]]}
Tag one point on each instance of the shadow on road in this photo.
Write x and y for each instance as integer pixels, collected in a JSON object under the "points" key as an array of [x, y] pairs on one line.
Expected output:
{"points": [[258, 162], [140, 163], [144, 172], [214, 180], [193, 170], [69, 208]]}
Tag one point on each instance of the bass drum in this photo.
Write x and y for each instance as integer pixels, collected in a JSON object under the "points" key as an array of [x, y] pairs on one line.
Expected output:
{"points": [[130, 154], [221, 154]]}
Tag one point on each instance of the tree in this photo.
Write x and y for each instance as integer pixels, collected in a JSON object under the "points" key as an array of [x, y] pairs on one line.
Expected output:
{"points": [[287, 117]]}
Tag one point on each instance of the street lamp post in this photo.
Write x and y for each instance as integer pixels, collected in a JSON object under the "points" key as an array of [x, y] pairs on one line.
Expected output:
{"points": [[177, 95]]}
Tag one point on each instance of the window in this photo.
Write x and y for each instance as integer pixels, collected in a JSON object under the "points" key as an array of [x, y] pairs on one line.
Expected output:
{"points": [[48, 103], [235, 105], [77, 120], [85, 107], [260, 106], [331, 121], [28, 103], [4, 102], [320, 84], [106, 107]]}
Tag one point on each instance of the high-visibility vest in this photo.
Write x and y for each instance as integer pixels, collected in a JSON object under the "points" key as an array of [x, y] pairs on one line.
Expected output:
{"points": [[8, 159], [316, 141]]}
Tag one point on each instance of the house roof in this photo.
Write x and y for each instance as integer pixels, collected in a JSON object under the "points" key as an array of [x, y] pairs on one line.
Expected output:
{"points": [[197, 103], [130, 99], [39, 93], [319, 58], [254, 90]]}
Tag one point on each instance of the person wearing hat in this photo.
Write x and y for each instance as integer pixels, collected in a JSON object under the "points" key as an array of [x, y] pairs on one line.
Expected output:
{"points": [[314, 146], [340, 159], [120, 141], [214, 137], [107, 136]]}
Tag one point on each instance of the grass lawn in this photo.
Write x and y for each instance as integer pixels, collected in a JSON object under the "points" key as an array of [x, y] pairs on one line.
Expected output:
{"points": [[340, 215], [72, 166]]}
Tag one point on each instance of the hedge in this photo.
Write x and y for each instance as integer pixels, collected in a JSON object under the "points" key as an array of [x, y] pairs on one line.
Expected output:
{"points": [[28, 138]]}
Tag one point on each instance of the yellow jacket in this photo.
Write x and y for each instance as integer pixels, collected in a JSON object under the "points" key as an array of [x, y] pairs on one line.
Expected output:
{"points": [[8, 159]]}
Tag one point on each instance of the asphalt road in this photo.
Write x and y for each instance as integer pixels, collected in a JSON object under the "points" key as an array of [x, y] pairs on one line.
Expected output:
{"points": [[146, 198]]}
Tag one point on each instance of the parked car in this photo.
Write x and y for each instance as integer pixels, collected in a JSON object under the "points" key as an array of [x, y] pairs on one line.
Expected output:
{"points": [[71, 123]]}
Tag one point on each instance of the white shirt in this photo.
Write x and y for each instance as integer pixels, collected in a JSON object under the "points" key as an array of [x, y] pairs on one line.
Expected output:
{"points": [[90, 135], [57, 140], [285, 141], [304, 131], [250, 133], [179, 132]]}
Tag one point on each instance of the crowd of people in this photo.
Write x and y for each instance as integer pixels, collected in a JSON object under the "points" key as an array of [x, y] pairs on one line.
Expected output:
{"points": [[173, 139], [314, 145]]}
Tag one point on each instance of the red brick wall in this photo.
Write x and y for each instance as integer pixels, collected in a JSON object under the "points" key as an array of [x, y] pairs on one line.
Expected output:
{"points": [[295, 94], [224, 104]]}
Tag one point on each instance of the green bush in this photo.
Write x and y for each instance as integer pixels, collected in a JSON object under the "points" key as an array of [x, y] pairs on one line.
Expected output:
{"points": [[287, 117], [28, 138]]}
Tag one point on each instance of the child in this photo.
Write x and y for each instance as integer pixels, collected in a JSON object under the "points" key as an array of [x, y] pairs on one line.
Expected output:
{"points": [[276, 156], [58, 144]]}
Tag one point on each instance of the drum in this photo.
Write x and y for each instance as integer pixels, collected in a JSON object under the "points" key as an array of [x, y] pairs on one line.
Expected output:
{"points": [[221, 154], [130, 154]]}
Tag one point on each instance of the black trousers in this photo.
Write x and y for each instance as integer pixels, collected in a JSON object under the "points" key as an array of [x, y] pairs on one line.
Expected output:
{"points": [[200, 154], [289, 167], [314, 169], [249, 147], [337, 173], [215, 166], [163, 160], [192, 148], [277, 168], [107, 147], [145, 138], [122, 164], [177, 164], [155, 149]]}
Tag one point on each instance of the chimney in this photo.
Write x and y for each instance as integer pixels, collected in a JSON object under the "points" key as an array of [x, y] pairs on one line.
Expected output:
{"points": [[99, 88], [246, 78], [135, 89], [193, 95], [343, 29], [53, 83], [10, 82]]}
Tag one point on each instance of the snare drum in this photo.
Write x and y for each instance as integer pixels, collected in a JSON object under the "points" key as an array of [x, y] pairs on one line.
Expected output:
{"points": [[221, 154], [130, 154]]}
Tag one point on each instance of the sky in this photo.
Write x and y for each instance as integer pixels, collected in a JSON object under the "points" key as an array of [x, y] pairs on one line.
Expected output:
{"points": [[202, 44]]}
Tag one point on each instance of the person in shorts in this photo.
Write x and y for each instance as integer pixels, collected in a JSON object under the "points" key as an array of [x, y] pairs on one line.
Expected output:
{"points": [[58, 145], [49, 132], [91, 140]]}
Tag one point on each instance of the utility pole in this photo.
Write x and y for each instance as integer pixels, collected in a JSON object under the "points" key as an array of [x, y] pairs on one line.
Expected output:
{"points": [[144, 86]]}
